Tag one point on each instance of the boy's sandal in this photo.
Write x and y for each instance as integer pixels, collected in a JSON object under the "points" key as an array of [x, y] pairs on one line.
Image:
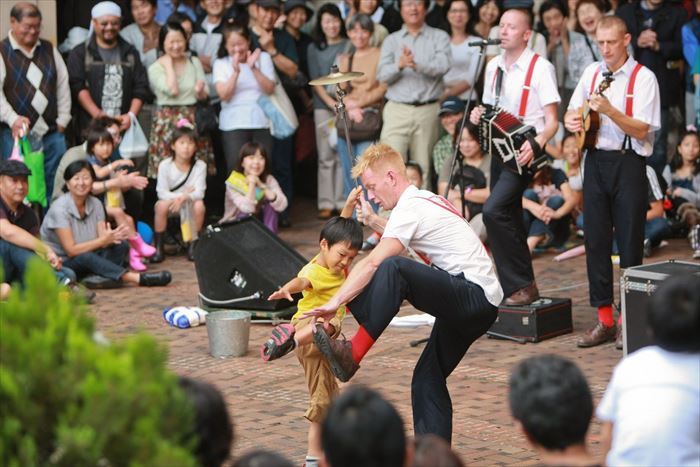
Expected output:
{"points": [[280, 343]]}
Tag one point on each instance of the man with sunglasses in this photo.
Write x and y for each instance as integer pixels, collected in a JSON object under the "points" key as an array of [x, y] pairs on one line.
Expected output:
{"points": [[106, 73]]}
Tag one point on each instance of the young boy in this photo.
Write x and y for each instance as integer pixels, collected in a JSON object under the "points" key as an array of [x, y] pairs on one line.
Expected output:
{"points": [[552, 404], [318, 281]]}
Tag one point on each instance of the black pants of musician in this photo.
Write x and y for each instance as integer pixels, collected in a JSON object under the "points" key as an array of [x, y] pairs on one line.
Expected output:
{"points": [[462, 314], [615, 202], [503, 217]]}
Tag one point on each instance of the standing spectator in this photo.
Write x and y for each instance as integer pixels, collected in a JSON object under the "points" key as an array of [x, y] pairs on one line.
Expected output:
{"points": [[655, 26], [144, 31], [450, 114], [106, 74], [488, 13], [412, 64], [330, 39], [241, 77], [178, 81], [206, 39], [298, 13], [34, 93], [691, 41], [583, 53], [459, 79], [282, 49], [375, 11], [365, 91]]}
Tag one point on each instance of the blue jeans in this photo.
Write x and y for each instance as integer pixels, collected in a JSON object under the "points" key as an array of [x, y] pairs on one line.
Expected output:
{"points": [[557, 231], [656, 230], [106, 262], [347, 161], [15, 260], [54, 148]]}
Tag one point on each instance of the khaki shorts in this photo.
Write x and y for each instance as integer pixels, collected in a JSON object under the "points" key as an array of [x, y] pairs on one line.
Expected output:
{"points": [[319, 377]]}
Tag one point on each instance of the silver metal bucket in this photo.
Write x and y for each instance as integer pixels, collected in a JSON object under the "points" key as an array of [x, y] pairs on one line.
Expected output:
{"points": [[228, 333]]}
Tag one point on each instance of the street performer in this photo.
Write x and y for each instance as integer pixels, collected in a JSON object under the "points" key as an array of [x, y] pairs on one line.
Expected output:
{"points": [[457, 285], [524, 84], [615, 187]]}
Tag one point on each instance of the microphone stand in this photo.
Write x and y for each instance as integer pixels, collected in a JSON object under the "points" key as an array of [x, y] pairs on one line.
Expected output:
{"points": [[456, 161], [341, 111]]}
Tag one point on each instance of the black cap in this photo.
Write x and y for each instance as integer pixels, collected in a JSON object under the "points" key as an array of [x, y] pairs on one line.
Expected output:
{"points": [[14, 168], [268, 4], [451, 105], [289, 5], [518, 4]]}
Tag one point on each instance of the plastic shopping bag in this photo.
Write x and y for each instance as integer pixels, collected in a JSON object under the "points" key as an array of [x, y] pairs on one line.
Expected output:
{"points": [[134, 143], [33, 157]]}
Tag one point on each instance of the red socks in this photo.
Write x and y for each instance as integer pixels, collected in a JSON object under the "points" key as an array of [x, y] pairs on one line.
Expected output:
{"points": [[605, 315], [361, 343]]}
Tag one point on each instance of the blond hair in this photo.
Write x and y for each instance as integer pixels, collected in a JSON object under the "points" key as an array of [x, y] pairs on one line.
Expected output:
{"points": [[607, 22], [378, 155]]}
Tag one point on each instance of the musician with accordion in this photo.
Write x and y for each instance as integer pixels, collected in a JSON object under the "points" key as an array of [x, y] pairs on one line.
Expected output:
{"points": [[517, 120]]}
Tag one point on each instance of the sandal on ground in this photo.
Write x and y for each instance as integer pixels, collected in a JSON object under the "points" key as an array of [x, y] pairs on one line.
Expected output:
{"points": [[280, 343]]}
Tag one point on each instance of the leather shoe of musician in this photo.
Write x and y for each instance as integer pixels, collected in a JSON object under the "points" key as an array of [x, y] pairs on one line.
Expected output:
{"points": [[155, 279], [618, 338], [599, 334], [524, 296], [338, 353]]}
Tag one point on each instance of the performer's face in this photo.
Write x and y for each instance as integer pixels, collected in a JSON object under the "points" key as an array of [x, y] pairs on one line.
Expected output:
{"points": [[380, 185], [613, 46], [514, 30]]}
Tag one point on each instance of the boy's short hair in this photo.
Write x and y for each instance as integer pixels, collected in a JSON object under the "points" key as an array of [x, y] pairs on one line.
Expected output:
{"points": [[378, 154], [340, 229], [97, 135], [674, 314], [415, 166], [550, 397], [431, 450], [362, 428]]}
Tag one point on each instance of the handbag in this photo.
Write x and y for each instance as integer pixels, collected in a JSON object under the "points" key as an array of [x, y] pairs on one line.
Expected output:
{"points": [[34, 160], [206, 119], [134, 143], [279, 109], [369, 128]]}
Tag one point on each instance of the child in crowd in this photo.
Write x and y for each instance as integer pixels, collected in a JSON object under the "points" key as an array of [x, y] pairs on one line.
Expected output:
{"points": [[570, 164], [650, 409], [318, 281], [252, 190], [682, 177], [100, 150], [552, 405], [182, 179]]}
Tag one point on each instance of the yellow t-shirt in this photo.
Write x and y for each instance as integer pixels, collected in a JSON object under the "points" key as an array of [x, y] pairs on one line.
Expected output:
{"points": [[324, 284]]}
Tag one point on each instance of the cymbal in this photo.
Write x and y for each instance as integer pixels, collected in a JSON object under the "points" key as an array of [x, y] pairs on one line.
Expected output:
{"points": [[335, 78]]}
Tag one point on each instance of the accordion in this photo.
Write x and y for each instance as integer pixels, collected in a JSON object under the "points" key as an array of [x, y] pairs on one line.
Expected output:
{"points": [[502, 134]]}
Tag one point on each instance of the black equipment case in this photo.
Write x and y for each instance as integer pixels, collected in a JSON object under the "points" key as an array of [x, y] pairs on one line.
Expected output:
{"points": [[637, 284], [543, 319]]}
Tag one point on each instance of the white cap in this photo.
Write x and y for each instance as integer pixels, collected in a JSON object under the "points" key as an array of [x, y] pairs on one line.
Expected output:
{"points": [[106, 9]]}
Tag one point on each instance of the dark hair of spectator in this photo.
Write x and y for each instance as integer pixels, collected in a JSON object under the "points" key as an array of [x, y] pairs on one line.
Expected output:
{"points": [[363, 428], [426, 4], [154, 3], [184, 132], [542, 177], [556, 5], [677, 161], [102, 122], [24, 10], [212, 424], [356, 6], [262, 458], [179, 17], [550, 397], [364, 20], [415, 166], [98, 135], [75, 167], [674, 314], [595, 3], [249, 149], [171, 26], [471, 12], [479, 5], [431, 450], [472, 129], [341, 229], [232, 27], [317, 33]]}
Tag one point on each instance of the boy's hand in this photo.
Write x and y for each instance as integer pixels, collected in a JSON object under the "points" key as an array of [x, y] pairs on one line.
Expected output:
{"points": [[326, 312], [351, 202], [280, 294]]}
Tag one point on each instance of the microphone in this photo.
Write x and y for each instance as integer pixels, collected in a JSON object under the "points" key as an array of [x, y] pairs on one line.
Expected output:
{"points": [[484, 42]]}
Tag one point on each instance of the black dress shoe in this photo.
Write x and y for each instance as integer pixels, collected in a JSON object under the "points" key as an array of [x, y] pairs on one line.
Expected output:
{"points": [[153, 279], [190, 250], [98, 282]]}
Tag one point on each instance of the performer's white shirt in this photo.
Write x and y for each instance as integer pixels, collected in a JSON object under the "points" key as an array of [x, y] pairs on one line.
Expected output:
{"points": [[646, 104], [422, 221], [543, 87]]}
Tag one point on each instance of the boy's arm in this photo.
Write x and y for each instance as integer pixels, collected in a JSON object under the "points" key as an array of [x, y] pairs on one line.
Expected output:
{"points": [[296, 285], [351, 202]]}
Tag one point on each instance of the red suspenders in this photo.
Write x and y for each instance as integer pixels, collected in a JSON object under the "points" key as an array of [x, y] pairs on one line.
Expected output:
{"points": [[526, 85], [629, 95]]}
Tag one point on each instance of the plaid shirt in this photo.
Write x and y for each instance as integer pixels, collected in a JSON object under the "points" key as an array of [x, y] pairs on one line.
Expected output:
{"points": [[441, 151]]}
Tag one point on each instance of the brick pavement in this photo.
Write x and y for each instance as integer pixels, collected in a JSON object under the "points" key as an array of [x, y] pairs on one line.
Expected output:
{"points": [[267, 400]]}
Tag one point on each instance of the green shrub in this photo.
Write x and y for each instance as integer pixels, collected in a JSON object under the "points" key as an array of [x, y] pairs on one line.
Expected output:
{"points": [[68, 400]]}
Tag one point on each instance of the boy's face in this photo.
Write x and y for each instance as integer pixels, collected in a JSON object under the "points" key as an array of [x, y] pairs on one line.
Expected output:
{"points": [[414, 177], [338, 256]]}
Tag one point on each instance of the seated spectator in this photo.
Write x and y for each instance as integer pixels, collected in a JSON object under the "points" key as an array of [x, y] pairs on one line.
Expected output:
{"points": [[363, 428], [365, 94], [650, 409], [144, 31], [182, 179], [547, 207], [414, 174], [682, 177], [450, 114], [433, 451], [459, 78], [488, 13], [656, 227], [552, 405], [178, 82], [263, 458], [570, 164], [76, 229], [474, 179], [375, 11], [212, 424], [252, 190]]}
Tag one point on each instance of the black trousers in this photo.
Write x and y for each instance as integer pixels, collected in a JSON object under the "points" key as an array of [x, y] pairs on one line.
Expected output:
{"points": [[614, 203], [462, 314], [503, 217]]}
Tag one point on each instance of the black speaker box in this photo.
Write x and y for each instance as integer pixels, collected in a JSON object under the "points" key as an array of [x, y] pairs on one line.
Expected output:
{"points": [[238, 259], [540, 320]]}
